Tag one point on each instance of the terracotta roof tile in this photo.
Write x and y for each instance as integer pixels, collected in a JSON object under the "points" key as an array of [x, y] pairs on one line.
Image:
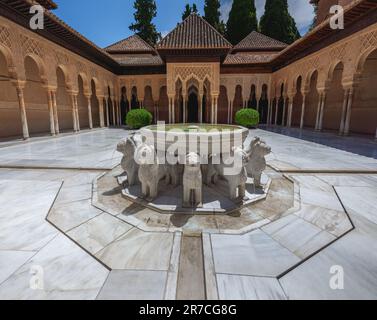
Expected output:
{"points": [[194, 33], [130, 60], [258, 41], [249, 58], [130, 44], [48, 4]]}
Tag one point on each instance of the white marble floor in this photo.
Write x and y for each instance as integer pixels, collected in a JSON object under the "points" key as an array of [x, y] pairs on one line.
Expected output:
{"points": [[98, 255]]}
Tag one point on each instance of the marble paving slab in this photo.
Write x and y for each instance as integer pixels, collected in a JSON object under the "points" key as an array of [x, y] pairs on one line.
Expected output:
{"points": [[138, 250], [233, 287], [70, 215], [360, 200], [67, 272], [134, 285], [254, 254], [11, 261], [99, 232]]}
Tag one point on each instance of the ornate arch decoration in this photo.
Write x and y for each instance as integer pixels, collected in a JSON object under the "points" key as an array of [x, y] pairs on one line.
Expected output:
{"points": [[9, 61], [85, 82], [309, 76], [330, 72], [97, 86], [67, 77], [41, 67], [360, 62]]}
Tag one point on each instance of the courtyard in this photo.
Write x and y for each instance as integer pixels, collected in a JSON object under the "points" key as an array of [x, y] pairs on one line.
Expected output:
{"points": [[67, 233]]}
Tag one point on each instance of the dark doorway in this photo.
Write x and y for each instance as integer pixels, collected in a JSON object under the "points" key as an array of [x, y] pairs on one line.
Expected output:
{"points": [[192, 108]]}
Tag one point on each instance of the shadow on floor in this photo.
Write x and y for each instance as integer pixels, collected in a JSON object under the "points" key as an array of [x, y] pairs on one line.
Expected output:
{"points": [[358, 144]]}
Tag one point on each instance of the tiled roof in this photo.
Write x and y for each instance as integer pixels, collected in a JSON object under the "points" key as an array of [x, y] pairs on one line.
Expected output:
{"points": [[258, 41], [130, 60], [130, 44], [249, 58], [48, 4], [194, 33]]}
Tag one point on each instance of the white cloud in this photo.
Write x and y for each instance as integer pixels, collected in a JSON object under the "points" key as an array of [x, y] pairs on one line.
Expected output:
{"points": [[301, 10]]}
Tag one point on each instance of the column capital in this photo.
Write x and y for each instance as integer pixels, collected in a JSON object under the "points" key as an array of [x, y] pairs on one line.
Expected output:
{"points": [[72, 93], [19, 84]]}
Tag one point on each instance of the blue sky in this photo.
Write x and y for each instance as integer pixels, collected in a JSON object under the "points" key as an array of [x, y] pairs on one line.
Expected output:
{"points": [[105, 22]]}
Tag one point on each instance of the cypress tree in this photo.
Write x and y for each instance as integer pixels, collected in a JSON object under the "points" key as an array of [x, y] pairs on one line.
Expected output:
{"points": [[189, 10], [242, 20], [277, 23], [145, 11], [212, 15]]}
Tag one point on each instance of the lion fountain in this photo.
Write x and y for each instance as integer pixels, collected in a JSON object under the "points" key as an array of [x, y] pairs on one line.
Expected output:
{"points": [[191, 181]]}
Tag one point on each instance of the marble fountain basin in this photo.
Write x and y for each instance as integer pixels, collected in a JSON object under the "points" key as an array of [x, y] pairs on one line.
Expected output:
{"points": [[204, 139]]}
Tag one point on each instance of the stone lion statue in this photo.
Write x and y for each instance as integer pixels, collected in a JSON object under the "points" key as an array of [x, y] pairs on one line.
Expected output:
{"points": [[128, 147], [256, 164], [150, 171], [235, 173], [192, 182]]}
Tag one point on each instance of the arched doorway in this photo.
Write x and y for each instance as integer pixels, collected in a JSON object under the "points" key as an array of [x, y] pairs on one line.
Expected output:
{"points": [[36, 99], [263, 105], [223, 104], [193, 107], [364, 107], [281, 116], [82, 103], [252, 103], [10, 117], [124, 105], [238, 102], [95, 105], [332, 113], [163, 105], [64, 103], [148, 100], [134, 99], [297, 104], [311, 106]]}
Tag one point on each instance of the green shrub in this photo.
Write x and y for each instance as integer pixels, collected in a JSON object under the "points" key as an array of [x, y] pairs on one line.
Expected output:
{"points": [[138, 118], [247, 118]]}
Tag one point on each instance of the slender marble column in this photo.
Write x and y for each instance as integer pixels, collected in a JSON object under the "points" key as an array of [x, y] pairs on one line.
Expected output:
{"points": [[303, 111], [113, 107], [74, 112], [276, 112], [200, 108], [90, 112], [107, 113], [51, 111], [318, 111], [285, 113], [290, 109], [101, 112], [344, 109], [349, 112], [77, 114], [21, 103], [322, 111], [56, 116]]}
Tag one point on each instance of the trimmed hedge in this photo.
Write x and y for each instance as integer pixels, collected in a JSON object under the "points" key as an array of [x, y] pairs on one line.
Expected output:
{"points": [[138, 118], [247, 118]]}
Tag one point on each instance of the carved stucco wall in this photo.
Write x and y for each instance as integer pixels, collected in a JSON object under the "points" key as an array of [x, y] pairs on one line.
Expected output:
{"points": [[17, 42], [351, 52]]}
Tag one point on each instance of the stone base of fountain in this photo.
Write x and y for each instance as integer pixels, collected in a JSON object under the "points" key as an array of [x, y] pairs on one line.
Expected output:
{"points": [[215, 198]]}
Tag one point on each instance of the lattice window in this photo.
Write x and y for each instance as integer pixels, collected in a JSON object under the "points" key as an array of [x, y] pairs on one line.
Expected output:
{"points": [[31, 46], [369, 40], [5, 37]]}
